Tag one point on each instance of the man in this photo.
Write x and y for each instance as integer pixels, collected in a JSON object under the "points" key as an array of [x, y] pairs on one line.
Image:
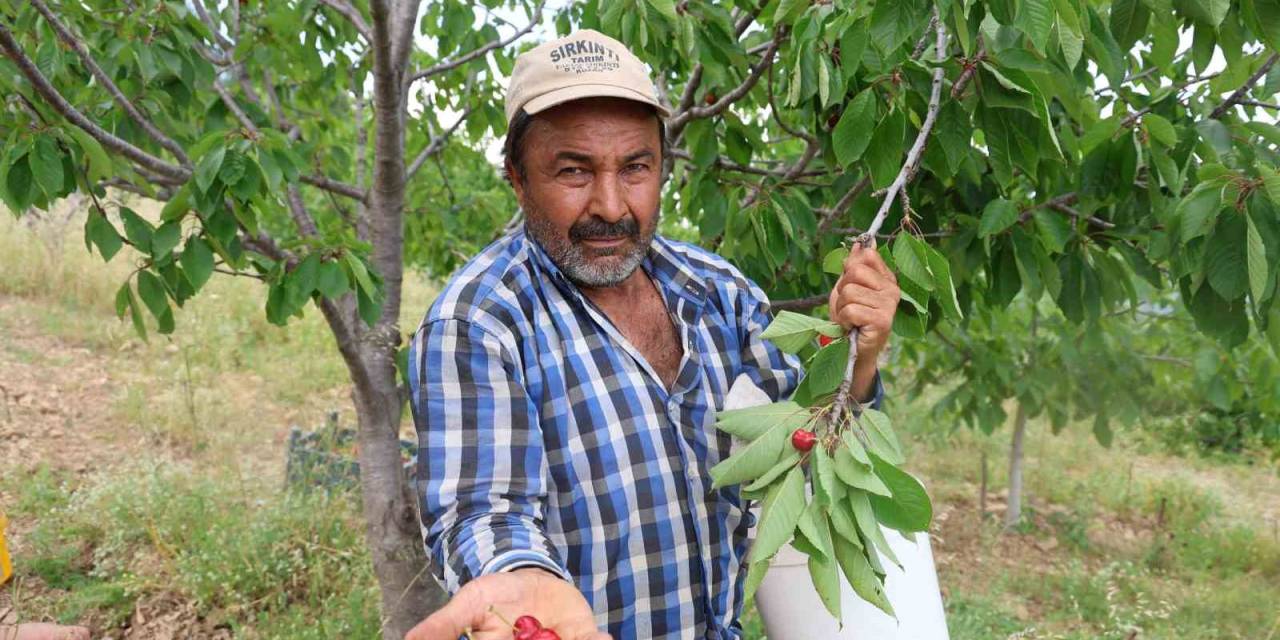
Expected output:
{"points": [[565, 382]]}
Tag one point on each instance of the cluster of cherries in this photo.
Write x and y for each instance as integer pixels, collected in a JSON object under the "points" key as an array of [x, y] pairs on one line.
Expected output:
{"points": [[529, 628]]}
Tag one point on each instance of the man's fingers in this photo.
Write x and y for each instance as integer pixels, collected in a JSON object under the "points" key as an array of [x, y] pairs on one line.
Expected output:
{"points": [[464, 611], [853, 292], [871, 258], [861, 316]]}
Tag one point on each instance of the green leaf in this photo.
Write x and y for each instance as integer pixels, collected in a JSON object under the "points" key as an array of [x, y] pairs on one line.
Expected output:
{"points": [[1035, 18], [1259, 278], [46, 165], [197, 262], [813, 523], [998, 215], [946, 288], [1102, 430], [855, 448], [752, 422], [789, 459], [868, 526], [1196, 213], [1128, 22], [1210, 12], [209, 165], [909, 262], [792, 331], [165, 239], [1225, 259], [666, 7], [856, 475], [779, 516], [825, 574], [753, 460], [359, 273], [136, 229], [826, 485], [151, 291], [755, 575], [100, 231], [1270, 183], [1160, 129], [99, 161], [884, 442], [826, 369], [860, 575], [331, 280], [885, 158], [1054, 229], [1263, 17], [909, 509], [853, 132], [842, 523], [126, 302], [833, 262]]}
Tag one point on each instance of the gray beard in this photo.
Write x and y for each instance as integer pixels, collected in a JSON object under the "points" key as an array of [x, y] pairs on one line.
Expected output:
{"points": [[602, 270]]}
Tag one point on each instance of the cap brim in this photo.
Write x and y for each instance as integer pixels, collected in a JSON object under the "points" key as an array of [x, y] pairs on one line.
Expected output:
{"points": [[578, 92]]}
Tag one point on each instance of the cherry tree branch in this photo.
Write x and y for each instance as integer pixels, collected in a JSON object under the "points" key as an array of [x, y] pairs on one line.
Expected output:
{"points": [[348, 11], [218, 38], [829, 216], [678, 121], [497, 43], [91, 64], [436, 143], [970, 68], [896, 188], [1244, 89], [55, 99]]}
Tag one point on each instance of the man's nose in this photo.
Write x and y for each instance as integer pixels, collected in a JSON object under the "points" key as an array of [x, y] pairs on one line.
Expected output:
{"points": [[607, 202]]}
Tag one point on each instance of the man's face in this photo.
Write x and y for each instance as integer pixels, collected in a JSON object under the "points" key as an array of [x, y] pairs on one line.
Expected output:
{"points": [[592, 187]]}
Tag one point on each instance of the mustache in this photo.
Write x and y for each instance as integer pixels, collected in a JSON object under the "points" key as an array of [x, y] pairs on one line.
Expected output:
{"points": [[597, 229]]}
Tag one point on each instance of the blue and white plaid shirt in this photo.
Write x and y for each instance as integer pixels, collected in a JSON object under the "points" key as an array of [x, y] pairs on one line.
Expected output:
{"points": [[546, 439]]}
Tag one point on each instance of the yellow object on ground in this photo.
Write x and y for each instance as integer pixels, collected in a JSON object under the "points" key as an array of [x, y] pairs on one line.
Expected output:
{"points": [[6, 569]]}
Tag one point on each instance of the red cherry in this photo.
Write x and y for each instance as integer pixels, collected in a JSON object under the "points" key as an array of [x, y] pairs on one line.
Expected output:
{"points": [[824, 340], [545, 634], [803, 439], [525, 627], [711, 98]]}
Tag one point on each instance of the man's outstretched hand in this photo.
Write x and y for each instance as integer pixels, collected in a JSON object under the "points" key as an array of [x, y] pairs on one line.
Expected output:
{"points": [[555, 603]]}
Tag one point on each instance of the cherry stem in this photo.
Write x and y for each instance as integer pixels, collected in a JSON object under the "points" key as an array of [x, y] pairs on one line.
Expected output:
{"points": [[501, 617]]}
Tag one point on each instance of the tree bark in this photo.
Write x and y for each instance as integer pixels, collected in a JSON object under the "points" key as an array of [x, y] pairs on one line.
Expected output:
{"points": [[392, 533], [1013, 514]]}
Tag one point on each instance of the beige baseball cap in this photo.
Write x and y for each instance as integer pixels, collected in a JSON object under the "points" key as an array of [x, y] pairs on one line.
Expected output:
{"points": [[583, 64]]}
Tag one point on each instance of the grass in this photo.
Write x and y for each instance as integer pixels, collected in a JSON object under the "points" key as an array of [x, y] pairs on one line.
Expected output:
{"points": [[1122, 543]]}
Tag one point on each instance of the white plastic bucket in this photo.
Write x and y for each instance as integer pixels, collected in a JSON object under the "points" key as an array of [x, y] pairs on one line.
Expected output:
{"points": [[791, 609]]}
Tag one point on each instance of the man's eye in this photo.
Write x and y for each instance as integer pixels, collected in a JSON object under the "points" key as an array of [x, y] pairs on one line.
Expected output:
{"points": [[571, 171], [636, 166]]}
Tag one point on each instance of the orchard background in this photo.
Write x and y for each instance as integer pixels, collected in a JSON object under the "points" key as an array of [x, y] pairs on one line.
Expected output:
{"points": [[1081, 201]]}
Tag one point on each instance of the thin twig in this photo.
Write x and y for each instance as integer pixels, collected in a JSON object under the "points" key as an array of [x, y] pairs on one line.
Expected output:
{"points": [[348, 11], [436, 144], [63, 107], [497, 43], [676, 125], [970, 68], [90, 63], [1243, 91]]}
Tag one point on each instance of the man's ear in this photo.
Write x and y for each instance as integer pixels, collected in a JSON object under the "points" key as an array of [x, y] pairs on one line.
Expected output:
{"points": [[513, 177]]}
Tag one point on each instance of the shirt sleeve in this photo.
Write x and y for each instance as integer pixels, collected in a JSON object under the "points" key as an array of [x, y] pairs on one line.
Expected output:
{"points": [[482, 482], [776, 372]]}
